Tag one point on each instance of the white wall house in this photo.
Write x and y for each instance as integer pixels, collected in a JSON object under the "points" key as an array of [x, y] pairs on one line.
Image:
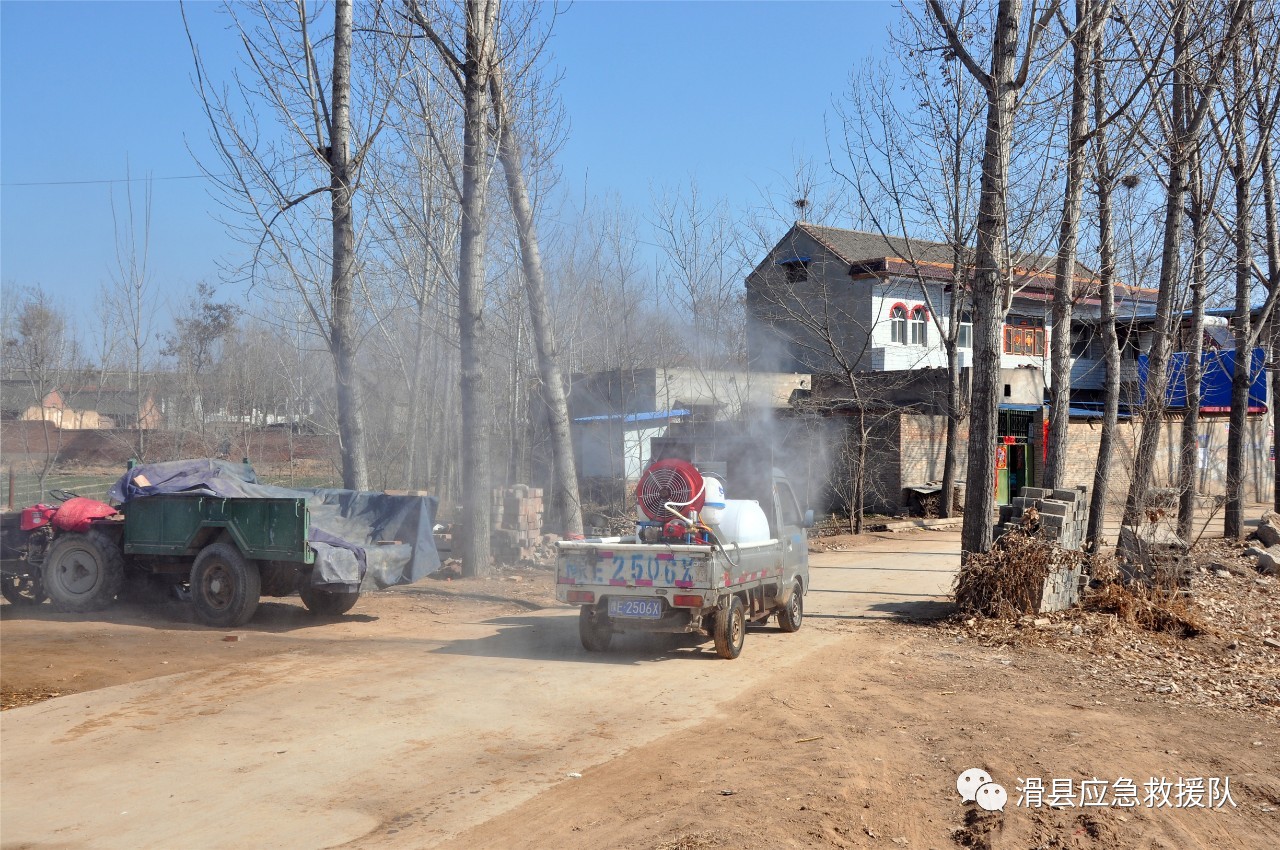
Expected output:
{"points": [[825, 299]]}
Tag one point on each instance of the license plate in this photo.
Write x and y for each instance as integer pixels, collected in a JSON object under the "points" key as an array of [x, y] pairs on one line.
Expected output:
{"points": [[640, 609]]}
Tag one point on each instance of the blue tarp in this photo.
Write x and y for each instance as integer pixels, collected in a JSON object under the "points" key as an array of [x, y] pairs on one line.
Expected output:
{"points": [[349, 528], [1217, 368]]}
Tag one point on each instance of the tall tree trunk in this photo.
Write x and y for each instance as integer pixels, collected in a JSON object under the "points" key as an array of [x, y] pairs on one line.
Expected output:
{"points": [[355, 473], [472, 331], [1188, 459], [990, 290], [566, 504], [1241, 326], [1068, 240], [1273, 273], [1170, 271], [1107, 294], [950, 457]]}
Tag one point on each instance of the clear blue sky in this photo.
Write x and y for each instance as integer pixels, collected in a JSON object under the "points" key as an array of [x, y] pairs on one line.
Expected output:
{"points": [[727, 92]]}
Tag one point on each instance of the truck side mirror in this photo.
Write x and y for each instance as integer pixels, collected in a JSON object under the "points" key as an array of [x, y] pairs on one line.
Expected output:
{"points": [[808, 518]]}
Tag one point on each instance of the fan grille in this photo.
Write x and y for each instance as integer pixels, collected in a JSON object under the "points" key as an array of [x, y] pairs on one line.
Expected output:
{"points": [[666, 481]]}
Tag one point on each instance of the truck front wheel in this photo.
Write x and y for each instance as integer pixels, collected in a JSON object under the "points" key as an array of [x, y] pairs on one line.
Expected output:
{"points": [[593, 630], [225, 586], [22, 589], [83, 572], [730, 629]]}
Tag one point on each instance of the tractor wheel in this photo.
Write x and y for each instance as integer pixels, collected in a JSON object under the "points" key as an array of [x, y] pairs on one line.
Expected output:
{"points": [[83, 572], [593, 630], [791, 615], [225, 586], [325, 603], [22, 590], [730, 629]]}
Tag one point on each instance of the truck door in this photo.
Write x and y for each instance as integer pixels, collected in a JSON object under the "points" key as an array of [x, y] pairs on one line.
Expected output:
{"points": [[789, 522]]}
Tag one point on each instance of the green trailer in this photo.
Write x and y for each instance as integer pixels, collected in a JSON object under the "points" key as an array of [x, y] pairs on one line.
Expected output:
{"points": [[228, 552]]}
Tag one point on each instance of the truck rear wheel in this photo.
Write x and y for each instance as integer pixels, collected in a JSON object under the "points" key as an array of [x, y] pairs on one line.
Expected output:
{"points": [[325, 603], [730, 629], [83, 572], [225, 586], [593, 630], [791, 615]]}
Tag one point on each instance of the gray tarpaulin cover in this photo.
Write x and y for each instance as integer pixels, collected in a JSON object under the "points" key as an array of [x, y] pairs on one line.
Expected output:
{"points": [[349, 528]]}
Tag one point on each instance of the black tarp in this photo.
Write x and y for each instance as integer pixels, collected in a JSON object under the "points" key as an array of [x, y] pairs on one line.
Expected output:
{"points": [[361, 539]]}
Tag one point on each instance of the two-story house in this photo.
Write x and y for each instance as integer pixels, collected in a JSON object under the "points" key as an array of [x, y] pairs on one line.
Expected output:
{"points": [[826, 299]]}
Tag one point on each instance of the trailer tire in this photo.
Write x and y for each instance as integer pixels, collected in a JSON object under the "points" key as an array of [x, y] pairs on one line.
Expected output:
{"points": [[22, 590], [791, 615], [83, 572], [595, 634], [325, 603], [730, 629], [225, 586]]}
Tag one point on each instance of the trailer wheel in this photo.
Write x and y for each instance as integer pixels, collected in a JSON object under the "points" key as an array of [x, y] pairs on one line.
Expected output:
{"points": [[83, 572], [325, 603], [730, 629], [593, 630], [22, 590], [791, 615], [225, 586]]}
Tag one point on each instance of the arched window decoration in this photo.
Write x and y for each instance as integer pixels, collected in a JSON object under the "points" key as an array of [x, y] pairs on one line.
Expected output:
{"points": [[919, 326], [898, 323]]}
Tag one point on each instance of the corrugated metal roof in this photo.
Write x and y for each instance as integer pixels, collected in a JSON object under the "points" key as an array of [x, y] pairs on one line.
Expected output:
{"points": [[634, 417]]}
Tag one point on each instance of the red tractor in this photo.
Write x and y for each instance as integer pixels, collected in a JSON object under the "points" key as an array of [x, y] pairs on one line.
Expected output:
{"points": [[44, 534]]}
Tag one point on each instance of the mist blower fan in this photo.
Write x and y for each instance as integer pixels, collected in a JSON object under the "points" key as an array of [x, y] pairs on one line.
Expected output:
{"points": [[671, 481]]}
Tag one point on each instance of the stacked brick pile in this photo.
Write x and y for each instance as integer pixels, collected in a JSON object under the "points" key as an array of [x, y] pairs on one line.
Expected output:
{"points": [[517, 523], [1064, 518], [1064, 514]]}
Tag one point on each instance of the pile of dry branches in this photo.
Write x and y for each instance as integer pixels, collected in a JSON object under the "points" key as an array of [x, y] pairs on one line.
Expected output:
{"points": [[1008, 581]]}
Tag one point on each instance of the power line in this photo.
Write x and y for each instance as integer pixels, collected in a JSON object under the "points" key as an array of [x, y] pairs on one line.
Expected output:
{"points": [[115, 180]]}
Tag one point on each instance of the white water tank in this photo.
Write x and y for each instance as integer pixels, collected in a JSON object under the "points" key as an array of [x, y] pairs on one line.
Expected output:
{"points": [[741, 521], [713, 500]]}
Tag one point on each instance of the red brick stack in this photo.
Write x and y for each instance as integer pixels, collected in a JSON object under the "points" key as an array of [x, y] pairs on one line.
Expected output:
{"points": [[517, 523]]}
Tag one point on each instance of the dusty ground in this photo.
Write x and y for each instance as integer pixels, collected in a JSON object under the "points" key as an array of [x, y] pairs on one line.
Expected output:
{"points": [[467, 730]]}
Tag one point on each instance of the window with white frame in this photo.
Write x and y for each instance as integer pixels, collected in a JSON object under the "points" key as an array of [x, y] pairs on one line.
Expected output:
{"points": [[919, 326], [964, 336], [898, 324]]}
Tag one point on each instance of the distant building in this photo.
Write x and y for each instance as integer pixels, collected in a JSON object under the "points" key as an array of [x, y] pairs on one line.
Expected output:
{"points": [[616, 414]]}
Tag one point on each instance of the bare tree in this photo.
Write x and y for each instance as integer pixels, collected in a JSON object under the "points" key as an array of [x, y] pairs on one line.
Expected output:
{"points": [[915, 173], [131, 300], [1250, 102], [992, 289], [1089, 17], [1181, 115], [40, 354], [319, 144]]}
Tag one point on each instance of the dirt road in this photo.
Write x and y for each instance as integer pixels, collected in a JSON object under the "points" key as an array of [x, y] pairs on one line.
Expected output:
{"points": [[430, 718]]}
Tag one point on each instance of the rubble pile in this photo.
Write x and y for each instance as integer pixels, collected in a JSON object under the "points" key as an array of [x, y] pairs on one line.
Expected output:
{"points": [[1267, 557], [1218, 647], [1154, 555]]}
